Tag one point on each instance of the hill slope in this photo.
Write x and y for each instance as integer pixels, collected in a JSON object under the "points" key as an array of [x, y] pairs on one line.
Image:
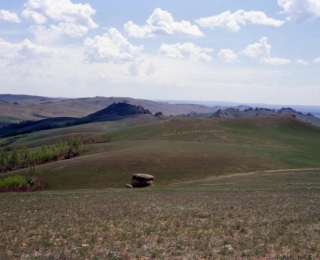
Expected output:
{"points": [[189, 149], [21, 98], [115, 111]]}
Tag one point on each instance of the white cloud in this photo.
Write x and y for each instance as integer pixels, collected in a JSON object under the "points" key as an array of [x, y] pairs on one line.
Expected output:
{"points": [[258, 50], [14, 56], [47, 35], [185, 51], [161, 23], [261, 51], [301, 62], [275, 61], [111, 47], [65, 18], [300, 11], [9, 17], [228, 55], [317, 60], [35, 17], [233, 21], [134, 69], [151, 69], [25, 50]]}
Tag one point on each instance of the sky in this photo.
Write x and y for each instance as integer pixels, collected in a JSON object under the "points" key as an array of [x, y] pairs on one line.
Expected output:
{"points": [[249, 51]]}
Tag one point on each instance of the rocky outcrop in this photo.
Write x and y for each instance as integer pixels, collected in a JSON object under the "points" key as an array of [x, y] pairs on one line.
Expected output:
{"points": [[220, 114], [287, 111], [119, 109], [141, 110], [158, 114], [140, 180]]}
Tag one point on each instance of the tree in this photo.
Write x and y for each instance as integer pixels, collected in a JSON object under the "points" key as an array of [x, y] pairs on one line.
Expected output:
{"points": [[74, 143], [14, 160], [25, 156], [33, 175], [4, 159]]}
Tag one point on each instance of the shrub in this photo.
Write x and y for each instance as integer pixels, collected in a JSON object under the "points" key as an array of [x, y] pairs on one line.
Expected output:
{"points": [[13, 183], [31, 182]]}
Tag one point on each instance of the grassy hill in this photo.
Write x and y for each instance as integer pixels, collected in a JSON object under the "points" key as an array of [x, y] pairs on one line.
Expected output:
{"points": [[21, 98], [114, 112], [51, 136], [177, 150]]}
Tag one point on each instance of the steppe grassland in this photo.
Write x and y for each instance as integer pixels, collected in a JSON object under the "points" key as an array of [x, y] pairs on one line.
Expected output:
{"points": [[177, 150], [273, 215]]}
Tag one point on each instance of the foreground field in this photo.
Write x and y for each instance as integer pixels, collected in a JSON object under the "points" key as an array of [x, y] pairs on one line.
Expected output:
{"points": [[266, 215]]}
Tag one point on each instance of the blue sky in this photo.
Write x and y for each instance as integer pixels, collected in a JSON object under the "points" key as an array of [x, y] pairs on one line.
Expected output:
{"points": [[250, 51]]}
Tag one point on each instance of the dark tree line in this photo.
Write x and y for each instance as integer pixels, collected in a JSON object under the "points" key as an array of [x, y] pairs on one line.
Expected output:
{"points": [[20, 124]]}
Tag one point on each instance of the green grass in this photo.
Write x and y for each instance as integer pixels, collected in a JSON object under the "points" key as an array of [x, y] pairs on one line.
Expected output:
{"points": [[272, 215], [223, 190], [13, 181], [178, 150], [49, 137]]}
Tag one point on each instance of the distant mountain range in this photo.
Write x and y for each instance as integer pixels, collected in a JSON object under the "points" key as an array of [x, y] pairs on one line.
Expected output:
{"points": [[122, 110], [304, 109], [48, 113], [15, 108]]}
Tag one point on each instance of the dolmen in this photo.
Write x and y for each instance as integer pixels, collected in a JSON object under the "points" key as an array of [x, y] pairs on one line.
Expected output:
{"points": [[140, 180]]}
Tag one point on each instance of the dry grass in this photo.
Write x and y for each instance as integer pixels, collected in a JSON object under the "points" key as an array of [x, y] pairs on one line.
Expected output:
{"points": [[268, 216]]}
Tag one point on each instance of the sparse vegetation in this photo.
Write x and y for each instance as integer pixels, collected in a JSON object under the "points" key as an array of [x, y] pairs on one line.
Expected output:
{"points": [[258, 216]]}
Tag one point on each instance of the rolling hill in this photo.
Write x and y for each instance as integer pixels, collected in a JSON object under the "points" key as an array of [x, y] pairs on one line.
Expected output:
{"points": [[180, 149], [116, 111], [17, 109], [246, 111], [21, 98]]}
